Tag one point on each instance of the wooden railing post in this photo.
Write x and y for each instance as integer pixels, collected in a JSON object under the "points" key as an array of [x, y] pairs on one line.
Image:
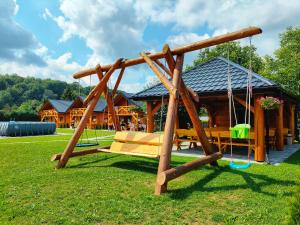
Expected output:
{"points": [[165, 155]]}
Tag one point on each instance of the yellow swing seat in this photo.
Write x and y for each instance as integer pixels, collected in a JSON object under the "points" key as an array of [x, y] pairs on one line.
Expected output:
{"points": [[137, 144]]}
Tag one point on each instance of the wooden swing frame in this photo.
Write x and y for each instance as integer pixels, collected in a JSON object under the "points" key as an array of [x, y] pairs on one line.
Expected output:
{"points": [[176, 88]]}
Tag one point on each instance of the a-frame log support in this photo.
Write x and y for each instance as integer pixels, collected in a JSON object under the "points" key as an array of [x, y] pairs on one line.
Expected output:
{"points": [[190, 106], [113, 93], [165, 156], [88, 112], [109, 100]]}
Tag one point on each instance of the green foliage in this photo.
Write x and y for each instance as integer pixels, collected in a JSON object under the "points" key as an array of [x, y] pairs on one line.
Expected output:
{"points": [[269, 103], [237, 53], [284, 68], [21, 98]]}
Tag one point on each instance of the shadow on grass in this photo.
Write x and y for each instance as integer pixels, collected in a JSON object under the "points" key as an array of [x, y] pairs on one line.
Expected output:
{"points": [[150, 166], [90, 164], [183, 193]]}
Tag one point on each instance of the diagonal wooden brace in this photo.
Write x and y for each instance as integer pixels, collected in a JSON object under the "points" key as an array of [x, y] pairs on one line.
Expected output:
{"points": [[103, 82], [161, 77]]}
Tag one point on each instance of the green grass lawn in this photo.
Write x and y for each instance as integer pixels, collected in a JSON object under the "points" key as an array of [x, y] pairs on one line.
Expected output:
{"points": [[115, 189]]}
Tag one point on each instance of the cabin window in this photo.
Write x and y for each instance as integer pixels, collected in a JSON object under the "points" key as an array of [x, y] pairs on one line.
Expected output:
{"points": [[94, 119], [61, 119]]}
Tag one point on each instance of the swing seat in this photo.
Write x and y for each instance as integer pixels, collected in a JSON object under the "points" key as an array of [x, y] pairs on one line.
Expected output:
{"points": [[240, 131], [86, 144], [136, 144], [233, 165]]}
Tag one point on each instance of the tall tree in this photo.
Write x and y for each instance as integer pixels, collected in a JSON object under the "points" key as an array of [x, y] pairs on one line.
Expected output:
{"points": [[237, 53], [284, 68]]}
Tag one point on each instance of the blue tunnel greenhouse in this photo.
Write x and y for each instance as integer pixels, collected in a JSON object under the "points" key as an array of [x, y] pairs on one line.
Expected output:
{"points": [[20, 128]]}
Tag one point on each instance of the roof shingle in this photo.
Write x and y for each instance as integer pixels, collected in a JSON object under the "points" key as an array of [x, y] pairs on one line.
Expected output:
{"points": [[211, 76]]}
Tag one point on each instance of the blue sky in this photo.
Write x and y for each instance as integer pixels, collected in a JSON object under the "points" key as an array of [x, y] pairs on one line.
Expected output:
{"points": [[54, 39]]}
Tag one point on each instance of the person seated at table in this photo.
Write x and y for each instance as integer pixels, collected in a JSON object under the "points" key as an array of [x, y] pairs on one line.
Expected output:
{"points": [[123, 125]]}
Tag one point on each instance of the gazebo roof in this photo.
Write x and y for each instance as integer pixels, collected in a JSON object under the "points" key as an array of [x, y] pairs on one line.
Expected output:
{"points": [[211, 77]]}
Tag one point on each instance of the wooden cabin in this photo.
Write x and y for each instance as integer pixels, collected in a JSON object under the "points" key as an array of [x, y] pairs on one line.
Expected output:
{"points": [[209, 81], [68, 113]]}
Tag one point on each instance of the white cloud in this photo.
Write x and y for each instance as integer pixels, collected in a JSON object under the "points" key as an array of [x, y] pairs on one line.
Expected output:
{"points": [[185, 38], [224, 16]]}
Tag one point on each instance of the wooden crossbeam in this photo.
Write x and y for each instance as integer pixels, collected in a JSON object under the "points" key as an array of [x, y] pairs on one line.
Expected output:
{"points": [[247, 32], [78, 153], [243, 103], [173, 173]]}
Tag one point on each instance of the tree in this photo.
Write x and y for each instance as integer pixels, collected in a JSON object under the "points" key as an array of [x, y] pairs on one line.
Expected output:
{"points": [[69, 94], [284, 68], [237, 53]]}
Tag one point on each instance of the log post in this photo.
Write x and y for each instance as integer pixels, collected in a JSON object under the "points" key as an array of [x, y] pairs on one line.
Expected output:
{"points": [[247, 32], [73, 141], [259, 129], [87, 113], [166, 150], [292, 121], [118, 82], [150, 118], [103, 82], [109, 100], [170, 174], [279, 128], [190, 107]]}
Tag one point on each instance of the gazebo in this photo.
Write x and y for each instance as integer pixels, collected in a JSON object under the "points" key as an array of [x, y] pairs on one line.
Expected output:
{"points": [[209, 83]]}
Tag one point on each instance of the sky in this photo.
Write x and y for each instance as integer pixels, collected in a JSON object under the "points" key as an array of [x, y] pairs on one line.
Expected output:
{"points": [[54, 39]]}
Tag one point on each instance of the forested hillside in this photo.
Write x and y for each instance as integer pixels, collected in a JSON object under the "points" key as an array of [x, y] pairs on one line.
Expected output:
{"points": [[20, 97]]}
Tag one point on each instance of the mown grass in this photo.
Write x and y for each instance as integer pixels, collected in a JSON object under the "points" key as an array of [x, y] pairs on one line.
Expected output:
{"points": [[115, 189]]}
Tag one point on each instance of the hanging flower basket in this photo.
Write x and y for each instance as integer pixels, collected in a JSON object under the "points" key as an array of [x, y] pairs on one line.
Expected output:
{"points": [[269, 103]]}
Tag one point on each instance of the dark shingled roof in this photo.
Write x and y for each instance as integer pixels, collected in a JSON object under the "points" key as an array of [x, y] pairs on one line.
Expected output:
{"points": [[101, 105], [61, 106], [129, 96], [211, 77]]}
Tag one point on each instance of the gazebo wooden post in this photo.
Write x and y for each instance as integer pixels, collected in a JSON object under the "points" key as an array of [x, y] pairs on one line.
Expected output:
{"points": [[190, 106], [109, 100], [259, 129], [88, 112], [279, 128], [166, 150], [150, 118], [292, 121]]}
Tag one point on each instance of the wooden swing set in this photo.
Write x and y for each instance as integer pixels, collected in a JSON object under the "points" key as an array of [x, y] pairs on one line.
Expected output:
{"points": [[151, 144]]}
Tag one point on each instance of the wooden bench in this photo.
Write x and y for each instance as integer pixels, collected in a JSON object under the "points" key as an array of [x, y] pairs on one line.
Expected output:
{"points": [[220, 136], [136, 143], [185, 135]]}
